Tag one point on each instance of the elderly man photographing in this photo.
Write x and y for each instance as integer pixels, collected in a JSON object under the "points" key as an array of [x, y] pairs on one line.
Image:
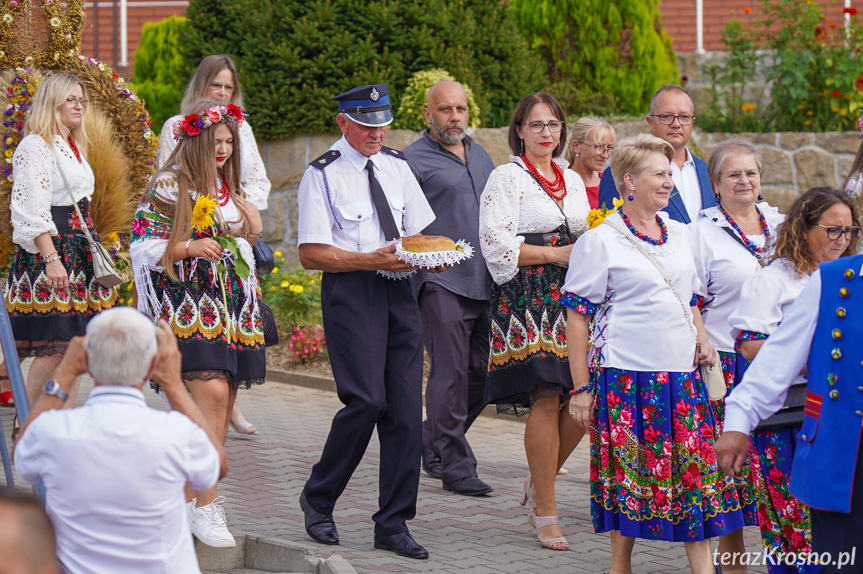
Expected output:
{"points": [[114, 469], [672, 115], [452, 171]]}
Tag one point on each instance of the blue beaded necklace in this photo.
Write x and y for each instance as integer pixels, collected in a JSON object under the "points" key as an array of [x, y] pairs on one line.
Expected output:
{"points": [[767, 237], [643, 237]]}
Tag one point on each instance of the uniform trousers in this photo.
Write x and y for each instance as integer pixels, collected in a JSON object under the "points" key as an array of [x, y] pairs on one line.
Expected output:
{"points": [[456, 336], [374, 338], [838, 532]]}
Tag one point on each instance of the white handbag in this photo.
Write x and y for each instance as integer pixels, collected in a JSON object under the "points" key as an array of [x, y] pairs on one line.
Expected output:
{"points": [[711, 374]]}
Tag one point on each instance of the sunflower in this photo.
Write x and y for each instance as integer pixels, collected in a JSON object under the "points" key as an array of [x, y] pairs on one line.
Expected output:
{"points": [[202, 213]]}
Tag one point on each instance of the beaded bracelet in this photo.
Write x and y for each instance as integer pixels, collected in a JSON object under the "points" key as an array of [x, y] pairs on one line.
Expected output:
{"points": [[579, 390], [55, 258], [187, 247]]}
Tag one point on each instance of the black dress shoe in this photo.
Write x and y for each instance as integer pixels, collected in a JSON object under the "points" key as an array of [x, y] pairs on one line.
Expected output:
{"points": [[402, 544], [431, 464], [468, 486], [320, 527]]}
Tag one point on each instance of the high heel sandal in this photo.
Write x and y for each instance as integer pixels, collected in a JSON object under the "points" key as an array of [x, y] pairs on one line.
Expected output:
{"points": [[529, 496], [6, 398], [244, 427], [550, 543]]}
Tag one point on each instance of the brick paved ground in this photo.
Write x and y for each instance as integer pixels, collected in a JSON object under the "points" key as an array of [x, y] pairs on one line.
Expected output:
{"points": [[478, 535]]}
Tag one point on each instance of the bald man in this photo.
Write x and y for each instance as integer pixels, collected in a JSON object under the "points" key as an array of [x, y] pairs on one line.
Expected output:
{"points": [[27, 541], [452, 171]]}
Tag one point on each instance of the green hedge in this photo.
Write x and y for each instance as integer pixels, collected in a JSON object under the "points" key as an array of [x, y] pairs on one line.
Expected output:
{"points": [[616, 49], [161, 72], [294, 56]]}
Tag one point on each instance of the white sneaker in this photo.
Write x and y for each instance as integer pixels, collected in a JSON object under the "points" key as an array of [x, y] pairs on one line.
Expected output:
{"points": [[209, 526]]}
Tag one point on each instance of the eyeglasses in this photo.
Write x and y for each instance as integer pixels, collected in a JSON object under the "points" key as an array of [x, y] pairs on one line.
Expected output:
{"points": [[602, 149], [73, 101], [553, 126], [835, 232], [668, 119], [229, 88], [737, 176]]}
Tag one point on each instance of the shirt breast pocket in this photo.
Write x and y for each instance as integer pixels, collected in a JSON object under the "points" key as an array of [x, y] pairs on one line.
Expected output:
{"points": [[357, 224]]}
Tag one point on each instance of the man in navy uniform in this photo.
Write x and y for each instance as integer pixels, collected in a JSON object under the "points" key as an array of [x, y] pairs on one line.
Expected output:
{"points": [[671, 118], [353, 201], [823, 332]]}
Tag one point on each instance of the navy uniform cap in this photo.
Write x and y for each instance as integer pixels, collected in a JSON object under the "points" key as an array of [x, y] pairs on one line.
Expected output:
{"points": [[367, 105]]}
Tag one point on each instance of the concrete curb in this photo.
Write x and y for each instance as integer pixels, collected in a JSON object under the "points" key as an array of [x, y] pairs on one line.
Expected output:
{"points": [[270, 555], [328, 384]]}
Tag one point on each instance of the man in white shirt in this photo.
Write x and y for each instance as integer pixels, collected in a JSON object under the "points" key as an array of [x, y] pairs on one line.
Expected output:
{"points": [[672, 115], [114, 469]]}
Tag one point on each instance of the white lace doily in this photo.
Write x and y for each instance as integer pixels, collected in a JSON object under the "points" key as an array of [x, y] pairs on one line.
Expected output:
{"points": [[429, 259]]}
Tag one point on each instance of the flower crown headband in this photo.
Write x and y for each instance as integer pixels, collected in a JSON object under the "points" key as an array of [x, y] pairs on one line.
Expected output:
{"points": [[191, 125]]}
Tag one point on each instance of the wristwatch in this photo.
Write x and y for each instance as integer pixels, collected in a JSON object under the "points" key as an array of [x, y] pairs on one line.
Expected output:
{"points": [[52, 388]]}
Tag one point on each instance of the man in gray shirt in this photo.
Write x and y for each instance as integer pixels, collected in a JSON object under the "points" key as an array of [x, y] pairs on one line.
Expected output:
{"points": [[452, 171]]}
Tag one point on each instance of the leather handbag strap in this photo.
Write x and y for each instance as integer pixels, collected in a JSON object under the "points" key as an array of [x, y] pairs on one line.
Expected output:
{"points": [[761, 261], [84, 227], [683, 306]]}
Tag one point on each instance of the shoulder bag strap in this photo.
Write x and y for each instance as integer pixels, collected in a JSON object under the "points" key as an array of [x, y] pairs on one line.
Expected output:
{"points": [[81, 219], [683, 306], [737, 238]]}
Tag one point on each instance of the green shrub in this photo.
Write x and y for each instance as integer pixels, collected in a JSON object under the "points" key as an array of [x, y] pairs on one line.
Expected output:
{"points": [[160, 69], [294, 56], [410, 114], [578, 102], [294, 297], [615, 47]]}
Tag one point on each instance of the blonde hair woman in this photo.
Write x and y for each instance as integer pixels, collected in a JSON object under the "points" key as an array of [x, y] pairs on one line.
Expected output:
{"points": [[50, 292], [590, 142], [216, 78], [179, 276]]}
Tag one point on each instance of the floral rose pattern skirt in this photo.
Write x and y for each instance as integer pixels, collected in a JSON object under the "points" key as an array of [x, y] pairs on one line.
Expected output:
{"points": [[653, 471]]}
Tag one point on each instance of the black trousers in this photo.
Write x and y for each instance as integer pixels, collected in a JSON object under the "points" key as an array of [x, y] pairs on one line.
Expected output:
{"points": [[456, 336], [838, 533], [374, 337]]}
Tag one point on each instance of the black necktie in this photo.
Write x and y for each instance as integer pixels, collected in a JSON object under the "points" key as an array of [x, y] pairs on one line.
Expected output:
{"points": [[382, 206]]}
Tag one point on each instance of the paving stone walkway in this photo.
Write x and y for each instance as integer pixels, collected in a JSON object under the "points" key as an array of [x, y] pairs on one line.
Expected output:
{"points": [[463, 534]]}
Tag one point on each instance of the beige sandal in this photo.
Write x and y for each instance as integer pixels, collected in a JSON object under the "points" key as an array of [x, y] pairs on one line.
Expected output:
{"points": [[550, 543], [528, 497]]}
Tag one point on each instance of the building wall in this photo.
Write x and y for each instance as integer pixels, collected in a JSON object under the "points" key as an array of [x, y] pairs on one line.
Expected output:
{"points": [[678, 17]]}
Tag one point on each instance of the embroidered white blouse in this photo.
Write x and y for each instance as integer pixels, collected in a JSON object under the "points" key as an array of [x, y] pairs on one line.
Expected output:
{"points": [[766, 297], [38, 185], [723, 265], [513, 203], [640, 325], [253, 174]]}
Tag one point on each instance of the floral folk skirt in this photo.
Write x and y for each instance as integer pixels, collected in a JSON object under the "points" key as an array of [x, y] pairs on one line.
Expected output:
{"points": [[39, 313], [214, 344], [528, 358], [733, 367], [653, 472]]}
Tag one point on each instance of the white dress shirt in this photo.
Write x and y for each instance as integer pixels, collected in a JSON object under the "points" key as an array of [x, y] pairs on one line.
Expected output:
{"points": [[687, 184], [777, 366], [114, 470], [723, 265], [513, 203], [38, 186], [347, 218], [253, 174], [640, 325]]}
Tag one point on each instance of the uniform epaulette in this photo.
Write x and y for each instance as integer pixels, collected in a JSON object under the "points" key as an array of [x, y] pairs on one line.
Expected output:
{"points": [[326, 159], [393, 152]]}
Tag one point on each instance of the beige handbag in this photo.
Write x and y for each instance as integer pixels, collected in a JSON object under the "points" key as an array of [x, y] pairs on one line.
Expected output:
{"points": [[712, 375], [104, 271]]}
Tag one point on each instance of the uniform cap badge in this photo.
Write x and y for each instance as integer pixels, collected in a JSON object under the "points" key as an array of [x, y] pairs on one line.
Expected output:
{"points": [[374, 95]]}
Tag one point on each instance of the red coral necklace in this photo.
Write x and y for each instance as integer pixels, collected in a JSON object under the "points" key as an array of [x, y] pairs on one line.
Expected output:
{"points": [[74, 149], [224, 192], [552, 188]]}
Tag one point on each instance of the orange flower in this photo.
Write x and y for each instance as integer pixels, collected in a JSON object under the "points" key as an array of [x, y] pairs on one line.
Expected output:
{"points": [[833, 25], [747, 9]]}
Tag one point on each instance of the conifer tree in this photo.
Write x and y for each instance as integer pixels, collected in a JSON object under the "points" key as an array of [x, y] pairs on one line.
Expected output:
{"points": [[161, 72]]}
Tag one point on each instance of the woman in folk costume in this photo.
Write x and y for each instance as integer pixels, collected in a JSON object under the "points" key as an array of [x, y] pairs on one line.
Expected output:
{"points": [[192, 256], [50, 290]]}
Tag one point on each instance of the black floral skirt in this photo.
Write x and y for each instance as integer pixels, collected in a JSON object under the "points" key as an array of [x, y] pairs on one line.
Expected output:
{"points": [[528, 357], [38, 312]]}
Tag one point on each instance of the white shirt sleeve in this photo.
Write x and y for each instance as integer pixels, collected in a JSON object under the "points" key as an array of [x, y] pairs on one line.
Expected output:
{"points": [[498, 224], [418, 213], [587, 274], [760, 306], [779, 362], [32, 192], [316, 221], [254, 175], [28, 452], [166, 143]]}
